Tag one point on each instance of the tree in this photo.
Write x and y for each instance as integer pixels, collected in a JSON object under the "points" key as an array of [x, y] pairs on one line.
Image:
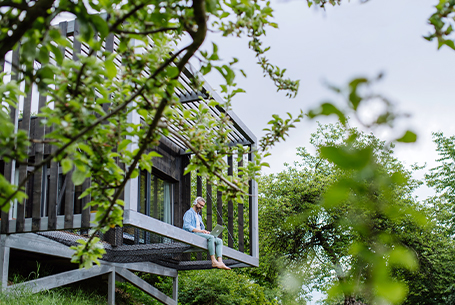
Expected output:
{"points": [[441, 178], [94, 142], [320, 227]]}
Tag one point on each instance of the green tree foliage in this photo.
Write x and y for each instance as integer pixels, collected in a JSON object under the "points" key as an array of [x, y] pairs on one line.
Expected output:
{"points": [[441, 178], [326, 221], [226, 288], [100, 144]]}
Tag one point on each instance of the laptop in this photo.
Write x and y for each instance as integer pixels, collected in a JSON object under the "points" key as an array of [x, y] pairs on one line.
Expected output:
{"points": [[217, 230]]}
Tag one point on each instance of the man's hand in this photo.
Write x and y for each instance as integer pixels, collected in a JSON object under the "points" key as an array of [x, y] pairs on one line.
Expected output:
{"points": [[205, 231]]}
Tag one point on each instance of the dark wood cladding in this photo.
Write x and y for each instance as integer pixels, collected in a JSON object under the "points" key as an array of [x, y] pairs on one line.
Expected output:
{"points": [[169, 165]]}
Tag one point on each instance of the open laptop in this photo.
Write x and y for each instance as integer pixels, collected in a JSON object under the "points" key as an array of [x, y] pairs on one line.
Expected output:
{"points": [[217, 230]]}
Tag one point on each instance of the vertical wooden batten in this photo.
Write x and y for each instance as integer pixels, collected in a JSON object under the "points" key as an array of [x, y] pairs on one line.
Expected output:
{"points": [[39, 183], [219, 207], [209, 204], [240, 215], [25, 126], [10, 167], [230, 207], [54, 177]]}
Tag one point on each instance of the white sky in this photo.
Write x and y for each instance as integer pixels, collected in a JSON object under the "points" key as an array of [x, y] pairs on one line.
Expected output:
{"points": [[337, 45]]}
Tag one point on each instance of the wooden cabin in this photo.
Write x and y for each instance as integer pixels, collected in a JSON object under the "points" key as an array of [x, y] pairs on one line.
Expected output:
{"points": [[152, 239]]}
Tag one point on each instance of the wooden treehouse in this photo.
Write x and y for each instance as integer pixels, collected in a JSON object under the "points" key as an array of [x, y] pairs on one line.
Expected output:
{"points": [[152, 239]]}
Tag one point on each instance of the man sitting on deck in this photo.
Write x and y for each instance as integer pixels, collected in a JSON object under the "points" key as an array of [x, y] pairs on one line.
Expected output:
{"points": [[192, 222]]}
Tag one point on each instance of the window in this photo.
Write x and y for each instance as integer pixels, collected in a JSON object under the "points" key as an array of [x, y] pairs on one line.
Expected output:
{"points": [[155, 197]]}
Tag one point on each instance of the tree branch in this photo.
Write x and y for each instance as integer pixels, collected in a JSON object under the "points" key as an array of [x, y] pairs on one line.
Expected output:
{"points": [[145, 32], [40, 9]]}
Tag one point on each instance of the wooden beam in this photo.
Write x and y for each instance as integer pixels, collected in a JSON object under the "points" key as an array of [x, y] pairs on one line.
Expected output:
{"points": [[144, 286], [60, 279], [158, 227], [147, 267]]}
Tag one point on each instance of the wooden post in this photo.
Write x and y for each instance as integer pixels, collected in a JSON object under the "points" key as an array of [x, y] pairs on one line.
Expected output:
{"points": [[185, 194], [10, 167], [199, 194], [39, 183], [25, 125], [111, 288], [219, 204], [4, 262], [240, 215], [209, 206], [230, 208]]}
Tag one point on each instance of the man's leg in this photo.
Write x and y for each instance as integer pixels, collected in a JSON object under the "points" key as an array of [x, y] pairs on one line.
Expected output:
{"points": [[210, 248], [219, 253]]}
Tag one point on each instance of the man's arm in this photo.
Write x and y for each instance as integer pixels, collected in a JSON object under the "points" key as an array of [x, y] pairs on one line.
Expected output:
{"points": [[187, 222]]}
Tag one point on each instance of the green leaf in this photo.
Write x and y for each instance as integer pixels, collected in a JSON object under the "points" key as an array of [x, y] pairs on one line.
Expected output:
{"points": [[347, 158], [172, 72], [408, 137], [78, 177], [67, 165], [111, 69], [328, 109], [124, 144]]}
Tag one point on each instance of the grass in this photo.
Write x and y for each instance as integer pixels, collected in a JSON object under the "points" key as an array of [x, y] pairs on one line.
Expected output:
{"points": [[55, 296]]}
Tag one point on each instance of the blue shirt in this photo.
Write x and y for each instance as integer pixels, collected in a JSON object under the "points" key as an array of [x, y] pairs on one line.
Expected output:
{"points": [[189, 220]]}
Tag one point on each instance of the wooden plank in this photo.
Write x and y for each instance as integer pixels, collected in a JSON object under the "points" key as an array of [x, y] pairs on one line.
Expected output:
{"points": [[53, 193], [25, 126], [230, 207], [209, 204], [39, 181], [69, 201], [199, 186], [185, 187], [240, 216], [144, 286], [76, 43], [86, 209], [199, 194], [53, 178], [10, 167], [219, 208], [167, 230], [185, 195], [60, 279], [147, 267], [109, 47], [250, 206]]}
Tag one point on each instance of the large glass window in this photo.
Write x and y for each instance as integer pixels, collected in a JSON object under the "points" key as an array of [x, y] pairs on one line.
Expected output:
{"points": [[155, 197]]}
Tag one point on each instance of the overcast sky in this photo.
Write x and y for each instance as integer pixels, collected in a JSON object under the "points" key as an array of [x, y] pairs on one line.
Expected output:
{"points": [[337, 45]]}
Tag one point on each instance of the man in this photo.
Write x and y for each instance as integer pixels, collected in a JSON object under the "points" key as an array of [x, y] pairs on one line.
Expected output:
{"points": [[192, 222]]}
